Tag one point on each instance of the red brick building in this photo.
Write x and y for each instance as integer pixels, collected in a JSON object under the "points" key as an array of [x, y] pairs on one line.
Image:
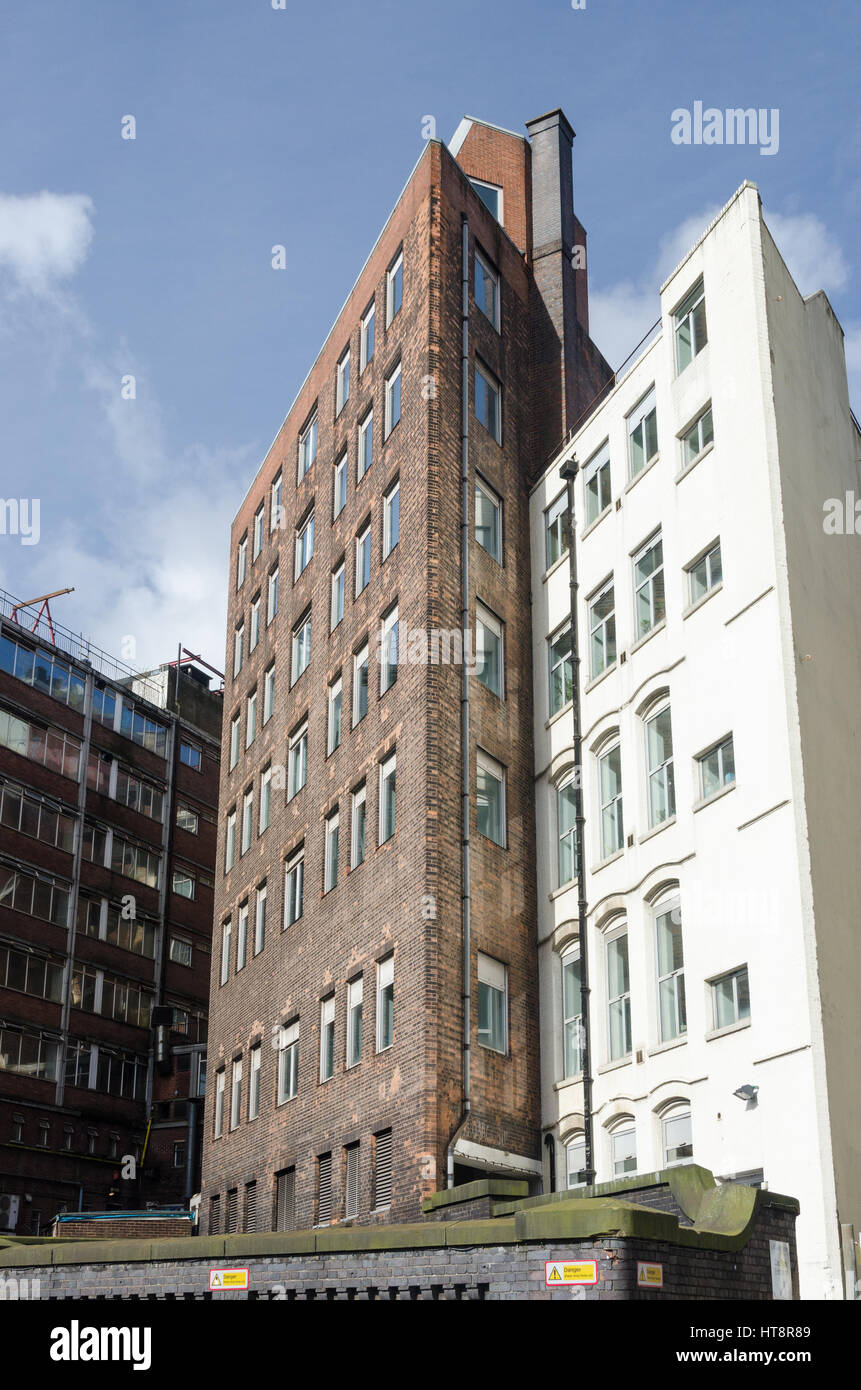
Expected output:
{"points": [[377, 829], [108, 824]]}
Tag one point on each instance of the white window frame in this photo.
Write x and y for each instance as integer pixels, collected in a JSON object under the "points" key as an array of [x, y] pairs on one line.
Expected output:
{"points": [[360, 659], [242, 561], [358, 803], [493, 976], [385, 981], [572, 1023], [218, 1124], [556, 531], [335, 694], [288, 1063], [670, 981], [355, 1001], [662, 773], [392, 309], [596, 475], [337, 595], [636, 421], [613, 805], [618, 1133], [575, 1145], [308, 440], [331, 848], [242, 936], [234, 740], [251, 718], [489, 767], [275, 501], [362, 538], [257, 531], [230, 842], [294, 886], [391, 534], [685, 314], [304, 551], [388, 769], [238, 642], [393, 380], [226, 934], [652, 585], [560, 663], [259, 919], [389, 635], [265, 812], [621, 1001], [673, 1116], [368, 323], [603, 627], [342, 381], [723, 747], [254, 632], [495, 501], [565, 835], [339, 487], [272, 597], [254, 1082], [714, 984], [493, 387], [297, 761], [268, 692], [712, 559], [327, 1034], [490, 273], [247, 821], [301, 646], [365, 452], [698, 431], [487, 620]]}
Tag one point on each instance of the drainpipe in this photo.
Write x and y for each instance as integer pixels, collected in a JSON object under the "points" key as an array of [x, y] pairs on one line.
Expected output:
{"points": [[550, 1146], [568, 472], [464, 697], [71, 924], [191, 1149]]}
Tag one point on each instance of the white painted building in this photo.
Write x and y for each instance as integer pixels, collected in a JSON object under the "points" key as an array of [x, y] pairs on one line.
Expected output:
{"points": [[720, 635]]}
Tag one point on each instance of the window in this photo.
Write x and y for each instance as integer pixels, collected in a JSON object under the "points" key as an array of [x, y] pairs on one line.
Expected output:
{"points": [[697, 438], [226, 944], [257, 533], [327, 1038], [330, 862], [391, 518], [301, 647], [219, 1105], [489, 651], [357, 836], [183, 883], [272, 595], [307, 446], [394, 287], [342, 382], [691, 333], [382, 1170], [234, 740], [602, 630], [623, 1151], [393, 401], [556, 532], [677, 1138], [643, 434], [366, 445], [354, 1022], [275, 503], [705, 574], [294, 881], [488, 520], [238, 637], [230, 842], [304, 544], [488, 401], [487, 288], [265, 801], [143, 730], [236, 1094], [492, 1004], [254, 1083], [387, 799], [17, 1129], [363, 560], [333, 736], [241, 561], [180, 950], [250, 719], [490, 195], [351, 1181], [297, 758], [268, 692], [610, 790], [618, 995], [649, 601], [575, 1161], [659, 761], [288, 1063], [385, 1003], [260, 919], [566, 829], [324, 1189], [366, 341], [254, 634], [389, 650], [336, 607], [247, 816], [572, 1015], [717, 768], [188, 820], [339, 485], [596, 479], [561, 671], [671, 971], [360, 685], [731, 998], [490, 798], [285, 1183]]}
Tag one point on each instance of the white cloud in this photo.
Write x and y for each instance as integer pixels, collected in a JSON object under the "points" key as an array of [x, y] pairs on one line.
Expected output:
{"points": [[812, 255], [44, 238]]}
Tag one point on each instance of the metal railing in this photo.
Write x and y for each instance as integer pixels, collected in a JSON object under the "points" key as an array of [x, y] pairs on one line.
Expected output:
{"points": [[76, 646]]}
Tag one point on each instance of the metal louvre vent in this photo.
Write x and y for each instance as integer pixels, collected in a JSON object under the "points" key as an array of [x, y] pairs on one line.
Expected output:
{"points": [[215, 1216], [250, 1222], [383, 1170], [324, 1189], [232, 1211], [284, 1200], [351, 1207]]}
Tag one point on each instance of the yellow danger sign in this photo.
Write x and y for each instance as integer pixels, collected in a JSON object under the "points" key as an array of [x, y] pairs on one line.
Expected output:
{"points": [[228, 1279], [649, 1276], [560, 1272]]}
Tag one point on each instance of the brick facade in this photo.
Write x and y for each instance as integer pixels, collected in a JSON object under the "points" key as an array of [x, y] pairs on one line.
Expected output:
{"points": [[405, 899]]}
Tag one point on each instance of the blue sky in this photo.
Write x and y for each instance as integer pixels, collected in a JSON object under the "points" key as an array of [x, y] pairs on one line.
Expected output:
{"points": [[256, 127]]}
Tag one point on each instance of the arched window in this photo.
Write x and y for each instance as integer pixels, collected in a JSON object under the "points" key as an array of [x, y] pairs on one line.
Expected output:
{"points": [[676, 1134], [623, 1146], [572, 1020], [575, 1160]]}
